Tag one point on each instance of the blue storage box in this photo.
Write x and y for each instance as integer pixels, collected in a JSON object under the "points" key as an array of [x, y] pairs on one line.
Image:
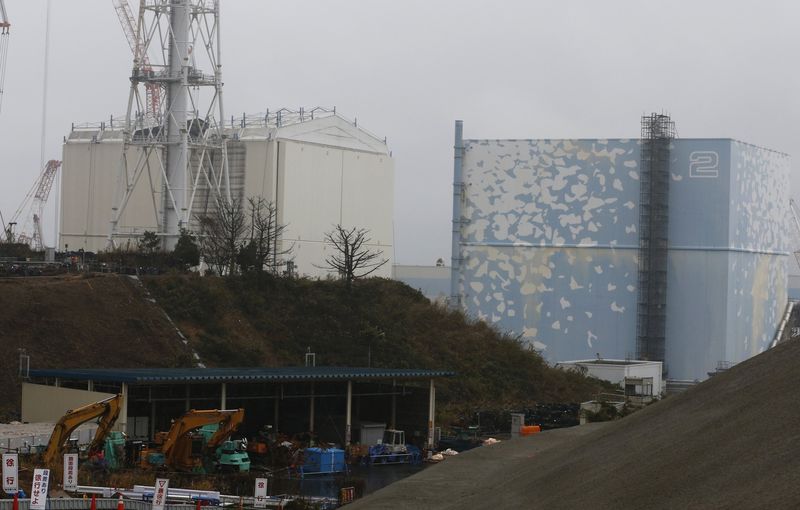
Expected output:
{"points": [[318, 460]]}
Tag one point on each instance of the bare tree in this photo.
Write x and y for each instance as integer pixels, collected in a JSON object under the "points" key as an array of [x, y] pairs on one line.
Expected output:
{"points": [[222, 233], [266, 235], [352, 258]]}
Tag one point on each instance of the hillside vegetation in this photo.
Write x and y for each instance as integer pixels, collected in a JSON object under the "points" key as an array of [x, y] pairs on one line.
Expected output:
{"points": [[258, 320], [262, 320], [80, 321]]}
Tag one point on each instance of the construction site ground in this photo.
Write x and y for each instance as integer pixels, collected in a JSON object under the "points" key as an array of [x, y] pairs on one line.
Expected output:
{"points": [[730, 442]]}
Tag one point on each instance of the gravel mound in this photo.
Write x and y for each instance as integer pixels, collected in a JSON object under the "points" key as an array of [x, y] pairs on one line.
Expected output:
{"points": [[730, 442]]}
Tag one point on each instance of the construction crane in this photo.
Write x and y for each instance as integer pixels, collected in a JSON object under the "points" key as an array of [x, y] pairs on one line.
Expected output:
{"points": [[29, 214], [105, 411], [5, 234], [140, 60], [5, 28]]}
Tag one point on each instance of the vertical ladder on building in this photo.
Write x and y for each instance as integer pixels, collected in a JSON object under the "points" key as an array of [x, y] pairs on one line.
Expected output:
{"points": [[658, 131]]}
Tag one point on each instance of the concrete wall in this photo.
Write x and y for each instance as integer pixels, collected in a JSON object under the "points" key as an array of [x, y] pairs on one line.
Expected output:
{"points": [[48, 404], [549, 247]]}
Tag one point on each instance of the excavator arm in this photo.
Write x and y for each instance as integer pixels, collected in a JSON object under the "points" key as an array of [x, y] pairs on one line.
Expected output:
{"points": [[226, 428], [228, 421], [107, 412]]}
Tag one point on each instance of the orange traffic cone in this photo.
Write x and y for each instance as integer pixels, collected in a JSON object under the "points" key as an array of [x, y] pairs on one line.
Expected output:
{"points": [[94, 503], [120, 504]]}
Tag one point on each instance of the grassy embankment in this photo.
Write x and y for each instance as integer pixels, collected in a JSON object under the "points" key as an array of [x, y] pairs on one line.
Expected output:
{"points": [[272, 321]]}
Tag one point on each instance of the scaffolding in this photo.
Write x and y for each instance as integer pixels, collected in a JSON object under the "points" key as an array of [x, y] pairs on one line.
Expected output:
{"points": [[658, 131], [174, 137]]}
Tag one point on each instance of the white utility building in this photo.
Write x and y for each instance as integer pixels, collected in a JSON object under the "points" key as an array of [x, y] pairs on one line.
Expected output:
{"points": [[317, 167], [637, 377]]}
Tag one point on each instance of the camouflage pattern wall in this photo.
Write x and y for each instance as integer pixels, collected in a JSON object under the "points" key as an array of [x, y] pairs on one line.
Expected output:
{"points": [[549, 244]]}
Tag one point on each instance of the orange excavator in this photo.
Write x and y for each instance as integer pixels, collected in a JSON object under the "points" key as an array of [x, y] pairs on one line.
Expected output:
{"points": [[179, 450], [105, 411]]}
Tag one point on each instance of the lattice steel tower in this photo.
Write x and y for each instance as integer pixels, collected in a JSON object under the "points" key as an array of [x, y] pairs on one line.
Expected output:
{"points": [[173, 135], [658, 131]]}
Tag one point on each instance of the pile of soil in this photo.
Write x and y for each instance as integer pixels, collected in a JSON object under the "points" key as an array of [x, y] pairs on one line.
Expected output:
{"points": [[730, 442], [102, 321]]}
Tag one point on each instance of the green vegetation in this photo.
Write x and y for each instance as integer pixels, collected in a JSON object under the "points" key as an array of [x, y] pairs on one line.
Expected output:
{"points": [[18, 251], [260, 319]]}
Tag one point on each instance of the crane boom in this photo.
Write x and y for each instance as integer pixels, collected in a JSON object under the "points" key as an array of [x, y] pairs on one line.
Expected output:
{"points": [[4, 16], [30, 212], [128, 22], [5, 28]]}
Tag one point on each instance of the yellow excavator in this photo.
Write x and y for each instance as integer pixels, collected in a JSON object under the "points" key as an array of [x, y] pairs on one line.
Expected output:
{"points": [[179, 449], [105, 411]]}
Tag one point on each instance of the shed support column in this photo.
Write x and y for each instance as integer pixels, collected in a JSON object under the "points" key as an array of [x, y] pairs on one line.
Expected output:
{"points": [[431, 413], [348, 418], [153, 419], [223, 398], [57, 382], [89, 385], [122, 421], [276, 410], [394, 403], [311, 411]]}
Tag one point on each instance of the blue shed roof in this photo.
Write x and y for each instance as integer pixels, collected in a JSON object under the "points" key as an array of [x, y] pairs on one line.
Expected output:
{"points": [[259, 374]]}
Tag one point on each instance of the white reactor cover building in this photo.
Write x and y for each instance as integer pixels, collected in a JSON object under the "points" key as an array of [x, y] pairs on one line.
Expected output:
{"points": [[318, 168]]}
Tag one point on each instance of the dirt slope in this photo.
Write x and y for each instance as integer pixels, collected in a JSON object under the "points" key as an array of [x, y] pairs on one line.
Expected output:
{"points": [[731, 442], [72, 321]]}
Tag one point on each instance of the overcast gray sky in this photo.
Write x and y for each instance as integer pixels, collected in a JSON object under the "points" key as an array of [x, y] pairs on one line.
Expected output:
{"points": [[408, 69]]}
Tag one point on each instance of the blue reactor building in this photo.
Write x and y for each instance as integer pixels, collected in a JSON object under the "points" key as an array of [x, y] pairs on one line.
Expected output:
{"points": [[656, 248]]}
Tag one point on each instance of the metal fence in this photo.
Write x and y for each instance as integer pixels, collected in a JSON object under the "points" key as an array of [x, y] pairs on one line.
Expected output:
{"points": [[246, 503], [84, 504], [26, 443]]}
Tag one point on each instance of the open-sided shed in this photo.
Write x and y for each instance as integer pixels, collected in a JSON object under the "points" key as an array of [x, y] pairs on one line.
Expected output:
{"points": [[324, 400]]}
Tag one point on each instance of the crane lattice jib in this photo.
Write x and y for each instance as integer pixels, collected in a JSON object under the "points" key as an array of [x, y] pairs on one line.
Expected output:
{"points": [[46, 181], [128, 22], [5, 27], [4, 24], [29, 214]]}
